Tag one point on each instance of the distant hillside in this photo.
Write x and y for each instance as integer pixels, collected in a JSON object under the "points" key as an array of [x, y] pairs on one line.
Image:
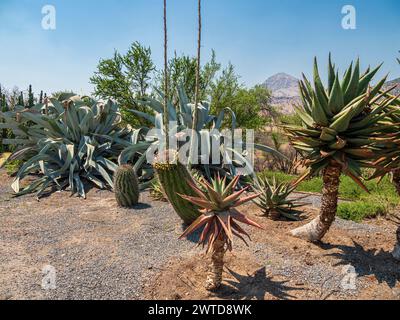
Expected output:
{"points": [[392, 83], [285, 92]]}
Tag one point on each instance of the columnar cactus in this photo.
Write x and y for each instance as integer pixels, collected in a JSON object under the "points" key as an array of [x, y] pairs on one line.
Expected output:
{"points": [[126, 186], [174, 179]]}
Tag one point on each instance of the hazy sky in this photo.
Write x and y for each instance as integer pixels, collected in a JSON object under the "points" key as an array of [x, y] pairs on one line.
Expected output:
{"points": [[260, 37]]}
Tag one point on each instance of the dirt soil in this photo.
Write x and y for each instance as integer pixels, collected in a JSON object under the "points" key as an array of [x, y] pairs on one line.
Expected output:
{"points": [[99, 251]]}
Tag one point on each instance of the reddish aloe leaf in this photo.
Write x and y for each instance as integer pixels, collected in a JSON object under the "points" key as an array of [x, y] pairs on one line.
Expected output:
{"points": [[204, 234], [231, 186], [214, 235], [198, 201], [225, 224], [356, 180], [215, 196], [199, 192], [233, 197], [240, 229], [240, 237], [242, 218], [200, 221], [301, 179], [246, 199]]}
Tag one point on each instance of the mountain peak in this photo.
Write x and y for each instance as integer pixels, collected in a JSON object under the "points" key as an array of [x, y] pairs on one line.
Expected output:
{"points": [[284, 91], [281, 81]]}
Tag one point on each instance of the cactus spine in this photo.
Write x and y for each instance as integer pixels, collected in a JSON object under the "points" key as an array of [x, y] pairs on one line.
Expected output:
{"points": [[126, 186], [174, 181]]}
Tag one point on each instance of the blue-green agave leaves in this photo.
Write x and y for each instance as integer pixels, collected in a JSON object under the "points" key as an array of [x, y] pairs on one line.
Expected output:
{"points": [[76, 141], [342, 121]]}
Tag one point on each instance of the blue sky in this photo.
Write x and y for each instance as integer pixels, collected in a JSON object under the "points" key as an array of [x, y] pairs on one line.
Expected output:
{"points": [[260, 37]]}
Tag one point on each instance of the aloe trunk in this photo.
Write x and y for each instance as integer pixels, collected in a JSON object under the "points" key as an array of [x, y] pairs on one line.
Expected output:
{"points": [[174, 181], [214, 278], [316, 229], [396, 251], [396, 180]]}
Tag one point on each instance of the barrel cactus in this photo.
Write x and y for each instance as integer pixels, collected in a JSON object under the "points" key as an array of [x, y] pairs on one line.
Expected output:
{"points": [[174, 178], [126, 186]]}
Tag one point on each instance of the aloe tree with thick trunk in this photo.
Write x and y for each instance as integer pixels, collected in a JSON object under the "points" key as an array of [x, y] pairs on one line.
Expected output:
{"points": [[341, 122]]}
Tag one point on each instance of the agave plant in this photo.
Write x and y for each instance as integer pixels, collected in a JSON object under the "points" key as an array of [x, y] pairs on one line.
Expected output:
{"points": [[182, 115], [340, 124], [274, 199], [219, 220], [75, 141]]}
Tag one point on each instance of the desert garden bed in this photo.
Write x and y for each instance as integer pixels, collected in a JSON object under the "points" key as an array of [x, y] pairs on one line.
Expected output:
{"points": [[100, 251]]}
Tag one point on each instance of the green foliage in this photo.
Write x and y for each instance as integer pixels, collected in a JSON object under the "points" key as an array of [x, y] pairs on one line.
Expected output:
{"points": [[369, 207], [126, 186], [156, 191], [340, 121], [183, 114], [383, 197], [274, 199], [77, 141], [21, 99], [182, 72], [31, 99], [248, 104], [12, 167], [290, 119], [126, 78], [4, 133]]}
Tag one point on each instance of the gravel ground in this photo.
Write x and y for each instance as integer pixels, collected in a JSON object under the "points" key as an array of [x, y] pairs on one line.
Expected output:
{"points": [[97, 250], [100, 251]]}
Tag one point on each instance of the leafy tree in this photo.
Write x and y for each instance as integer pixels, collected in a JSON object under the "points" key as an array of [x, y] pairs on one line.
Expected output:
{"points": [[41, 97], [248, 104], [31, 101], [182, 70], [125, 78], [21, 99]]}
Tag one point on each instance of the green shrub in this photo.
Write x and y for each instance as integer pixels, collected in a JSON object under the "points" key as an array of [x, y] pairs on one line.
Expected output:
{"points": [[12, 167], [381, 200], [362, 209]]}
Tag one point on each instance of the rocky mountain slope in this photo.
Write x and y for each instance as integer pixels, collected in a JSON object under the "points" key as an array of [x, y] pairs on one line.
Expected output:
{"points": [[285, 92], [392, 83]]}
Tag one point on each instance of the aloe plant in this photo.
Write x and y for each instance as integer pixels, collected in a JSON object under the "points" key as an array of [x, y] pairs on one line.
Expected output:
{"points": [[77, 140], [340, 124], [220, 220], [274, 199]]}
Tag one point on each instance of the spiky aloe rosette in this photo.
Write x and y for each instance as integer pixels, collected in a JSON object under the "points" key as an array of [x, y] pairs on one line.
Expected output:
{"points": [[219, 220], [340, 124], [126, 186], [173, 178], [274, 199]]}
